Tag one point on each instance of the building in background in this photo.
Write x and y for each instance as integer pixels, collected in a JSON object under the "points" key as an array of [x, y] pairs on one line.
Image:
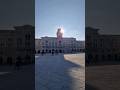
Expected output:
{"points": [[17, 44], [38, 45], [101, 47], [59, 44]]}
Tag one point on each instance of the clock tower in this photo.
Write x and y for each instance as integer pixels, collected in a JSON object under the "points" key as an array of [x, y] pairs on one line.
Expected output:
{"points": [[59, 34]]}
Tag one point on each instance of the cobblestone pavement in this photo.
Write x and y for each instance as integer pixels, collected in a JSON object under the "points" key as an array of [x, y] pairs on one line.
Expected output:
{"points": [[60, 72]]}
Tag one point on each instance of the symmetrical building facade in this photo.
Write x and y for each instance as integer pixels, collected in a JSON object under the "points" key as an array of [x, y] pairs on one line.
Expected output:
{"points": [[101, 47], [17, 44], [58, 44]]}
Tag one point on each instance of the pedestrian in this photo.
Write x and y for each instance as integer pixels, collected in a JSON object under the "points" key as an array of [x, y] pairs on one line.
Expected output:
{"points": [[52, 53]]}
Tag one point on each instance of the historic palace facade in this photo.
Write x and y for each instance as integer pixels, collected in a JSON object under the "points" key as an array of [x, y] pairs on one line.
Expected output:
{"points": [[101, 47], [17, 44], [59, 44]]}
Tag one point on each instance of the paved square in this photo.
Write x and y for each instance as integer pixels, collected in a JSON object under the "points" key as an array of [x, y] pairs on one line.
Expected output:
{"points": [[60, 72], [12, 79], [103, 77]]}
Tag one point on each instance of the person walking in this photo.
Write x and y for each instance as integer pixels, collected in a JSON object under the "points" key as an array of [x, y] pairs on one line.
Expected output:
{"points": [[52, 53]]}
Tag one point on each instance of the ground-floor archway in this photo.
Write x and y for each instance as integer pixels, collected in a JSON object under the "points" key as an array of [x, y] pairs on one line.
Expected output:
{"points": [[46, 50], [1, 60], [9, 60], [27, 59], [49, 51], [60, 51]]}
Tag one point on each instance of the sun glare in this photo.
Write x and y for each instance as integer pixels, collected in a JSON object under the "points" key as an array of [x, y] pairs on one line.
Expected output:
{"points": [[62, 30]]}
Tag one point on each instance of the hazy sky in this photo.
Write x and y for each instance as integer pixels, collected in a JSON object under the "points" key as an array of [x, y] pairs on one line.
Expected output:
{"points": [[16, 12], [103, 14], [51, 14]]}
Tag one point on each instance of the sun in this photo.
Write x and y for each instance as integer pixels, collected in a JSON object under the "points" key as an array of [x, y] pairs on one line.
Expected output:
{"points": [[62, 31]]}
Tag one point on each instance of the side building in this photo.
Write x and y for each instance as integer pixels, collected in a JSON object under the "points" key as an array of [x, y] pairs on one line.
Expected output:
{"points": [[101, 47], [17, 44]]}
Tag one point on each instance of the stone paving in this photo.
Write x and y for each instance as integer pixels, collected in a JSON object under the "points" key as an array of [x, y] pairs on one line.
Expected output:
{"points": [[60, 72], [103, 77], [11, 79]]}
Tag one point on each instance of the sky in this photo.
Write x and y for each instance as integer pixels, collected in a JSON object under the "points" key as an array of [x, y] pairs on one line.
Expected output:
{"points": [[68, 14], [16, 12], [103, 14]]}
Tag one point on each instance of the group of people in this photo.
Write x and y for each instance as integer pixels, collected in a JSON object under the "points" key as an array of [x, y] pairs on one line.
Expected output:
{"points": [[52, 53]]}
